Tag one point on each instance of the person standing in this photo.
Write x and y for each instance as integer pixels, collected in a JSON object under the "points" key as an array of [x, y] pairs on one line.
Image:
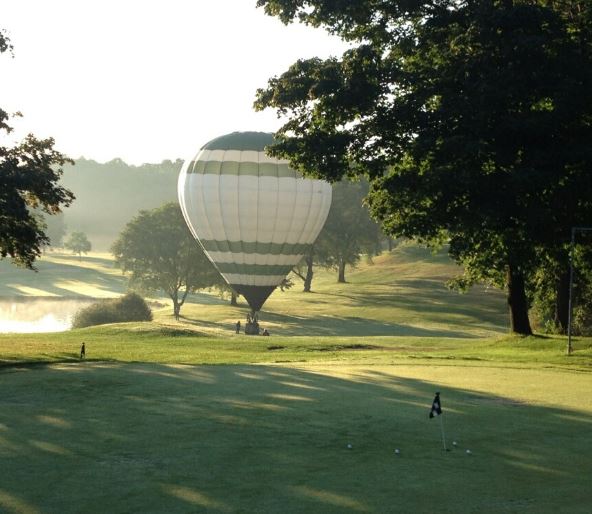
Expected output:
{"points": [[238, 327], [82, 351]]}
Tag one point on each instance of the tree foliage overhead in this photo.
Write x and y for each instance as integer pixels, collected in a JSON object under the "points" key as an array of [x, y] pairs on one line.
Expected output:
{"points": [[160, 253], [29, 180], [471, 119]]}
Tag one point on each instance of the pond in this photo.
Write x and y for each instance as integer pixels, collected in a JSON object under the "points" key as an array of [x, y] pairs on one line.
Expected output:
{"points": [[25, 315]]}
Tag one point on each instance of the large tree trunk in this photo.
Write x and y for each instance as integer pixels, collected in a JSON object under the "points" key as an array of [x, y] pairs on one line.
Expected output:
{"points": [[176, 304], [341, 273], [233, 298], [181, 302], [562, 302], [519, 322], [309, 274]]}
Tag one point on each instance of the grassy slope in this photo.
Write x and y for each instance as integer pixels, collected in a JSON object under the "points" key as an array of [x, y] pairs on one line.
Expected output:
{"points": [[402, 294], [397, 308], [63, 275], [138, 428]]}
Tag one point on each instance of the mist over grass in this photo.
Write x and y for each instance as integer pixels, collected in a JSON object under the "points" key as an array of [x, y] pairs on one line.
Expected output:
{"points": [[47, 314]]}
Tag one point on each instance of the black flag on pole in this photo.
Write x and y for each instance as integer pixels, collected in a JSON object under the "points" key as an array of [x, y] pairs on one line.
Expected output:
{"points": [[436, 406]]}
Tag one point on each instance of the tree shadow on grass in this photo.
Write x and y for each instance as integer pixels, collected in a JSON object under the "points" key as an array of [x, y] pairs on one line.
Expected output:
{"points": [[291, 325], [352, 326], [107, 437], [103, 261], [431, 299]]}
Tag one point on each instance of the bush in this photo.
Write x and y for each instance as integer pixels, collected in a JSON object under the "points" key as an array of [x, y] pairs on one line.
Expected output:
{"points": [[130, 307]]}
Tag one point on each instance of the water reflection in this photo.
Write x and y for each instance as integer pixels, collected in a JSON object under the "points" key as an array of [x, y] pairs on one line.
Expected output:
{"points": [[26, 315]]}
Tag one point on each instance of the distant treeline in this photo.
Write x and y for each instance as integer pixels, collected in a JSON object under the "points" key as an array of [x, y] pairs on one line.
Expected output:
{"points": [[109, 195]]}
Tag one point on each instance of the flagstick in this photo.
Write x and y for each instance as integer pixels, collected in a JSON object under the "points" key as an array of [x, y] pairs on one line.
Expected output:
{"points": [[442, 428]]}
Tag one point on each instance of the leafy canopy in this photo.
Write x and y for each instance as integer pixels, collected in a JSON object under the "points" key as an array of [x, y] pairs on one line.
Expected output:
{"points": [[472, 120]]}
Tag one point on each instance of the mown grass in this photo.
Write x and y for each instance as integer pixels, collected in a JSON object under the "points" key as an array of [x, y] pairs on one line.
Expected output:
{"points": [[112, 437], [63, 275], [402, 293], [156, 343], [184, 417]]}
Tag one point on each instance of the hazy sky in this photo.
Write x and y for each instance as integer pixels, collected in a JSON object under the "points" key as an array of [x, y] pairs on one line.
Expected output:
{"points": [[144, 80]]}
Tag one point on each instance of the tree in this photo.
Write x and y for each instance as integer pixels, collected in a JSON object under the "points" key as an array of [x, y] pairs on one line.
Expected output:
{"points": [[472, 121], [78, 243], [551, 291], [304, 269], [29, 176], [348, 231], [160, 253]]}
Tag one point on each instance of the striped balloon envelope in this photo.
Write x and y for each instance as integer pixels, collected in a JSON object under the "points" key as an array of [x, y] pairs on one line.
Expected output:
{"points": [[254, 216]]}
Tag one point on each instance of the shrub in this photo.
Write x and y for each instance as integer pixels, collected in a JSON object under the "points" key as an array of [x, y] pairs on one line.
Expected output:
{"points": [[130, 307]]}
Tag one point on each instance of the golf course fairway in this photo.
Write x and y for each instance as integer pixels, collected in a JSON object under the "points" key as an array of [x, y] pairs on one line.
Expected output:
{"points": [[116, 437]]}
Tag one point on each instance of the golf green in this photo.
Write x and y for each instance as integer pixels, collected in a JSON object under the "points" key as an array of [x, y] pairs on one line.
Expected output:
{"points": [[98, 437]]}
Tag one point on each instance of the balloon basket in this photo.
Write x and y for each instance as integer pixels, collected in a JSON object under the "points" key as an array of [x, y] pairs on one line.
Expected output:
{"points": [[252, 329]]}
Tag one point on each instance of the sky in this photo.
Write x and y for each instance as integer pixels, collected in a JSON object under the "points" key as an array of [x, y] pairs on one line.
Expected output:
{"points": [[144, 80]]}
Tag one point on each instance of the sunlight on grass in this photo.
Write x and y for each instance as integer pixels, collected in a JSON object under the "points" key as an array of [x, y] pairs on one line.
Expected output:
{"points": [[95, 261], [83, 288], [50, 447], [290, 397], [187, 416], [338, 500], [31, 291], [179, 438], [14, 504], [194, 497], [401, 293], [54, 422]]}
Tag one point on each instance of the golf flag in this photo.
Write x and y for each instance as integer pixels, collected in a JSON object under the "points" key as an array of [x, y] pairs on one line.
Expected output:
{"points": [[436, 406]]}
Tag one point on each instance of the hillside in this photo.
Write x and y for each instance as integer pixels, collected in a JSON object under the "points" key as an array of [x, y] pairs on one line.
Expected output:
{"points": [[401, 293]]}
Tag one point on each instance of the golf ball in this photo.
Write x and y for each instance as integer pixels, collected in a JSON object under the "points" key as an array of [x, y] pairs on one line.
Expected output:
{"points": [[453, 443], [468, 452], [397, 451], [349, 446]]}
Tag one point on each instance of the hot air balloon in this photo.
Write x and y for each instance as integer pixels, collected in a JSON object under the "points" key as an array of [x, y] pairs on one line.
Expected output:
{"points": [[254, 216]]}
